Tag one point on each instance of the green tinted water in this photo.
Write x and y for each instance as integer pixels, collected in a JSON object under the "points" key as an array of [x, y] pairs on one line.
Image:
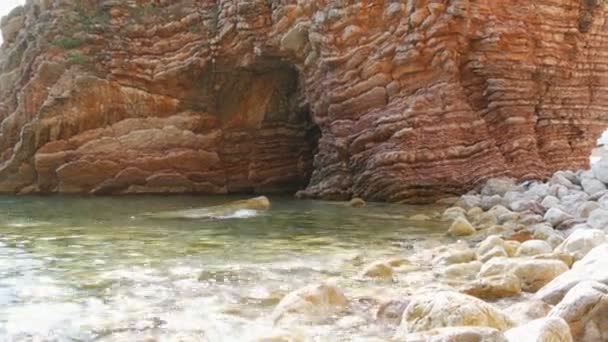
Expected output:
{"points": [[83, 269]]}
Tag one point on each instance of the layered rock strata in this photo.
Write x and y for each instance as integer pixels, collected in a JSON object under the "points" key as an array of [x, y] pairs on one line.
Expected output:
{"points": [[394, 101]]}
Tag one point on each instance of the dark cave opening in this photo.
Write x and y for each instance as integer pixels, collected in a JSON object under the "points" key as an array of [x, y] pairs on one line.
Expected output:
{"points": [[270, 138]]}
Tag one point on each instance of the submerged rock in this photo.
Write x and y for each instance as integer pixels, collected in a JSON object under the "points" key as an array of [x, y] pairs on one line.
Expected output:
{"points": [[232, 209], [391, 311], [313, 301], [378, 270], [420, 217], [357, 203], [461, 227]]}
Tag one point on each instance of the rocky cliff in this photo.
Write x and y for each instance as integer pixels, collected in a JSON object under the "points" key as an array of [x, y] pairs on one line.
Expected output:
{"points": [[380, 99]]}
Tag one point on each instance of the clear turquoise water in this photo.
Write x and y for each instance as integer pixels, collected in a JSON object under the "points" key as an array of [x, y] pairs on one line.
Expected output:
{"points": [[93, 269]]}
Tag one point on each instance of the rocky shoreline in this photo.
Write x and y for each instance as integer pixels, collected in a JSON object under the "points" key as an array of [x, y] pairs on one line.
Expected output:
{"points": [[530, 263]]}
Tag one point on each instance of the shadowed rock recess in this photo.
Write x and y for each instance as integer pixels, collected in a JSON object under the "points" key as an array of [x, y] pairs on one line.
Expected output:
{"points": [[377, 99]]}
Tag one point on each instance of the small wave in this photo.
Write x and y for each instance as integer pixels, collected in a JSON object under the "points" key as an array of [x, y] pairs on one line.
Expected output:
{"points": [[241, 213], [205, 213], [26, 224]]}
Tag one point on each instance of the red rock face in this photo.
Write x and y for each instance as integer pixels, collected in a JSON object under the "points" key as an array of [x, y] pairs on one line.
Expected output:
{"points": [[394, 101]]}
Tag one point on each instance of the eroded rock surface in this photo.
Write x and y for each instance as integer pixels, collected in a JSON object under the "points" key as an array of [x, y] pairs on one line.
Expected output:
{"points": [[392, 100]]}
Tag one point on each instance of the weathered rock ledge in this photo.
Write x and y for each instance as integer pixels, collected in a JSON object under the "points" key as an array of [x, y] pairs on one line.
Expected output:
{"points": [[381, 100]]}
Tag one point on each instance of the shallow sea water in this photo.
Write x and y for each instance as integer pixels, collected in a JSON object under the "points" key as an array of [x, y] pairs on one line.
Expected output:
{"points": [[96, 269]]}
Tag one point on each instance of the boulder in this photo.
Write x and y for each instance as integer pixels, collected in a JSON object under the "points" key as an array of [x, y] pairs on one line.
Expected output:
{"points": [[550, 202], [510, 217], [550, 329], [585, 310], [529, 218], [600, 170], [440, 309], [494, 286], [469, 201], [466, 270], [499, 186], [495, 252], [592, 186], [461, 227], [498, 230], [529, 310], [533, 247], [499, 210], [584, 209], [561, 180], [493, 246], [451, 214], [565, 258], [592, 267], [512, 196], [555, 216], [585, 174], [454, 256], [487, 202], [580, 242], [474, 213], [598, 219], [511, 247], [486, 220], [533, 273], [558, 190], [455, 334], [539, 190], [526, 204], [598, 196], [573, 200], [312, 301], [547, 233]]}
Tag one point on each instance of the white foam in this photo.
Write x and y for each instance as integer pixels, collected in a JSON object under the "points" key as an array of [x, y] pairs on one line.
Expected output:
{"points": [[241, 213]]}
